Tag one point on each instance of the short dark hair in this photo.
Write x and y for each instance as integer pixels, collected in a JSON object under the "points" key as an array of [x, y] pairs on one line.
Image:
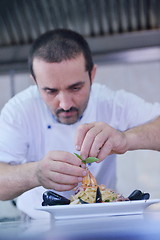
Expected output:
{"points": [[58, 45]]}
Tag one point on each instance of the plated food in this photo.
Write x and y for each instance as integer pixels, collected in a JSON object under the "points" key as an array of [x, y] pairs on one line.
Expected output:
{"points": [[91, 192]]}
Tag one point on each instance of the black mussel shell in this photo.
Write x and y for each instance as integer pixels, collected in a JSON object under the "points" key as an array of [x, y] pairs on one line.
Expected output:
{"points": [[135, 195], [138, 195], [51, 198], [82, 201], [145, 196], [98, 196]]}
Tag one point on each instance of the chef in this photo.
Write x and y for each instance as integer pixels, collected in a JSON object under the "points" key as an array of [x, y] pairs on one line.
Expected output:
{"points": [[64, 113]]}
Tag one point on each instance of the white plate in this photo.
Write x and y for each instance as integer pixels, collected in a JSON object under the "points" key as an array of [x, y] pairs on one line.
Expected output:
{"points": [[98, 209]]}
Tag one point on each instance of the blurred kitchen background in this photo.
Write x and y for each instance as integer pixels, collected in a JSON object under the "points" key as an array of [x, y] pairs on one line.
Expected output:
{"points": [[124, 36]]}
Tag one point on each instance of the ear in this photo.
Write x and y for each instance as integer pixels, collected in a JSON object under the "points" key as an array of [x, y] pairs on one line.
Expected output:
{"points": [[93, 72]]}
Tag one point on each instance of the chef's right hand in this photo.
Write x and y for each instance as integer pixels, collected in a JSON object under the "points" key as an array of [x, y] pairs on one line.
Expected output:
{"points": [[60, 171]]}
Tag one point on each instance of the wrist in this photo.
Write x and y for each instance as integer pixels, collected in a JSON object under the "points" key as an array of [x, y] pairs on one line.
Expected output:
{"points": [[131, 140], [34, 181]]}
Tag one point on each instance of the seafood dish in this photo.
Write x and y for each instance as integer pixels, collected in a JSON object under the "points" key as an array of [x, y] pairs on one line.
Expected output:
{"points": [[91, 192]]}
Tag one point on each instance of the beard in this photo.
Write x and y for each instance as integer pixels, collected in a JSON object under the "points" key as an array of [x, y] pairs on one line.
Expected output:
{"points": [[69, 116]]}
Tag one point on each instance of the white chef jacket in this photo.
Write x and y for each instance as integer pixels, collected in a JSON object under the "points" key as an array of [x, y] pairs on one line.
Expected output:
{"points": [[28, 131]]}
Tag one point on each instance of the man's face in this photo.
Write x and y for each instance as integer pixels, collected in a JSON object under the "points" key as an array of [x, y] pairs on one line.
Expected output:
{"points": [[64, 87]]}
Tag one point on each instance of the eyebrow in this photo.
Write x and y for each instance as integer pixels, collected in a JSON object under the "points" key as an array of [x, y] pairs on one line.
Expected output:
{"points": [[50, 89], [76, 84], [69, 87]]}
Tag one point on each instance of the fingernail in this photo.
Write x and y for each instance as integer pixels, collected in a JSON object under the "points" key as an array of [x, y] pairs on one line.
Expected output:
{"points": [[84, 173], [80, 179], [78, 148], [83, 165]]}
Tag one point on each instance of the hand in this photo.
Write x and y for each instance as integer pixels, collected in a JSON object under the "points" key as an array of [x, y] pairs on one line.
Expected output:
{"points": [[99, 140], [60, 171]]}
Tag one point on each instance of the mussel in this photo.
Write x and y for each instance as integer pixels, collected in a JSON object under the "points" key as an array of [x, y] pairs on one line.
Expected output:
{"points": [[138, 195], [51, 198], [98, 196], [145, 196], [82, 201]]}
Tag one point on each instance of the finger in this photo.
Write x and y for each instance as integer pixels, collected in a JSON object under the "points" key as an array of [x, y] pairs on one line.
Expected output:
{"points": [[105, 150], [66, 157], [63, 179], [98, 144], [60, 187], [89, 140], [81, 133], [67, 169]]}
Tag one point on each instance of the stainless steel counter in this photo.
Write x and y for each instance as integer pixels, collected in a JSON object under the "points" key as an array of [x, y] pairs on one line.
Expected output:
{"points": [[132, 227]]}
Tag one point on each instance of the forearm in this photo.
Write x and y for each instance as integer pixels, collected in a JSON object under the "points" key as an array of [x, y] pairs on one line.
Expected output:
{"points": [[16, 179], [146, 136]]}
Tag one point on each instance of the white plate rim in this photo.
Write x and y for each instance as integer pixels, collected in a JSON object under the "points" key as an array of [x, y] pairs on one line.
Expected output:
{"points": [[98, 209]]}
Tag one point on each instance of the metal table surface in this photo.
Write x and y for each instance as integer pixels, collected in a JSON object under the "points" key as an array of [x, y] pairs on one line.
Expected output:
{"points": [[132, 227]]}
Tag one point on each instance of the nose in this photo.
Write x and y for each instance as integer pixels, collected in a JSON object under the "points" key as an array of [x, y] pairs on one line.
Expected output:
{"points": [[65, 101]]}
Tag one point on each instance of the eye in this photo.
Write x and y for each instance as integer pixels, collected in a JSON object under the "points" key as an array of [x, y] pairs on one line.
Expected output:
{"points": [[76, 88], [50, 91]]}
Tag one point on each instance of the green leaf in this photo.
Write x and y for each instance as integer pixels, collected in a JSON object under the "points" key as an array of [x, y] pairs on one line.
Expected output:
{"points": [[91, 159], [78, 156], [87, 160]]}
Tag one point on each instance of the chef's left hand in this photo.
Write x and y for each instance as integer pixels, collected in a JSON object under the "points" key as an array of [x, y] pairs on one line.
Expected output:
{"points": [[99, 140]]}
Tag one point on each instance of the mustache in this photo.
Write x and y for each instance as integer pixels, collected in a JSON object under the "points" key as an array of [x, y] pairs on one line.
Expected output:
{"points": [[72, 109]]}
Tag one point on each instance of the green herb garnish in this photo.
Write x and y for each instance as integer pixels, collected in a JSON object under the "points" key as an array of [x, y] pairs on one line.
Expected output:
{"points": [[87, 160], [78, 156]]}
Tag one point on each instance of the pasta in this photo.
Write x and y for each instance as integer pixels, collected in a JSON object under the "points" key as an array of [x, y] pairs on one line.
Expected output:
{"points": [[91, 192], [89, 195]]}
